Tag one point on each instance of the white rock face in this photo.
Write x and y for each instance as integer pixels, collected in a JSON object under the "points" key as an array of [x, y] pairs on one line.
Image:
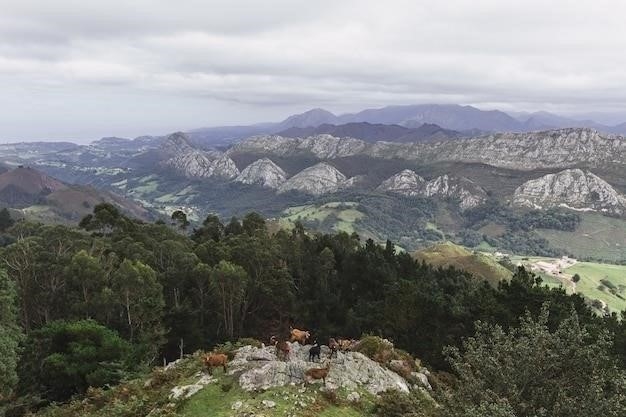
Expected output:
{"points": [[321, 146], [349, 370], [263, 172], [319, 179], [195, 163], [548, 149], [405, 182], [410, 184], [571, 188]]}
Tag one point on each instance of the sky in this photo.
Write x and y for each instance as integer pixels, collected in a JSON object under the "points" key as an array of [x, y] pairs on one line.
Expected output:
{"points": [[81, 70]]}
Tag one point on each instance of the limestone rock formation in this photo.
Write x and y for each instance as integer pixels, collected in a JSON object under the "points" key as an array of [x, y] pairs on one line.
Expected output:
{"points": [[571, 188], [348, 370], [409, 183], [319, 179], [263, 172], [196, 163]]}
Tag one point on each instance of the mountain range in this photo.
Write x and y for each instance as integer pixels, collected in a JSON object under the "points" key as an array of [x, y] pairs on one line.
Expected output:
{"points": [[468, 120], [396, 175]]}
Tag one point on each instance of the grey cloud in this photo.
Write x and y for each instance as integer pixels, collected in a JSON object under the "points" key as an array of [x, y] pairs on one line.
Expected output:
{"points": [[243, 61]]}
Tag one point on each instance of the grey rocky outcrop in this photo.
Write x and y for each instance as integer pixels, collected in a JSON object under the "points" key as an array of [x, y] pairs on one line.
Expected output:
{"points": [[260, 369], [319, 179], [191, 162], [560, 148], [572, 188], [410, 184], [263, 172]]}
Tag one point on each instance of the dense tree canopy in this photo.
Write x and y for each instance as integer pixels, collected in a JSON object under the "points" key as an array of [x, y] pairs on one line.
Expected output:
{"points": [[163, 289]]}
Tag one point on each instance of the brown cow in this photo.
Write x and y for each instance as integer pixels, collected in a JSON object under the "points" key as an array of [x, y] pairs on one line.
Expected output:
{"points": [[299, 336], [282, 348], [213, 360], [318, 373]]}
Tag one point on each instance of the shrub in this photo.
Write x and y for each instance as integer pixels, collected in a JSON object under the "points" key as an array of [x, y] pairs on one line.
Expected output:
{"points": [[393, 403], [245, 341]]}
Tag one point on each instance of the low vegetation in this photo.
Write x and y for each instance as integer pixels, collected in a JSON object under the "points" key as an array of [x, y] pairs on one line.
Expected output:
{"points": [[111, 300]]}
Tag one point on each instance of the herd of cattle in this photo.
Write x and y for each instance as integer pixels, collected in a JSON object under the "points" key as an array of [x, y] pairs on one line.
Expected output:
{"points": [[283, 351]]}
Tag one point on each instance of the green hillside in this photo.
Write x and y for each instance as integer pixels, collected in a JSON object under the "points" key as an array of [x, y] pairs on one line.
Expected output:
{"points": [[596, 237], [480, 265]]}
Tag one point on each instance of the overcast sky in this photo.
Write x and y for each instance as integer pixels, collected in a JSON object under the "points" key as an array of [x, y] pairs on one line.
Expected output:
{"points": [[83, 69]]}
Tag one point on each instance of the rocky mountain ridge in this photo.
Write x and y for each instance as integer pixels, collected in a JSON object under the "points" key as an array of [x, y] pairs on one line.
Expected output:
{"points": [[572, 188], [318, 179], [408, 183], [522, 151], [263, 172], [195, 163]]}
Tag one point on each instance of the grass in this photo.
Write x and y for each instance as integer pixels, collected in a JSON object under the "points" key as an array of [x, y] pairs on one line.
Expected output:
{"points": [[591, 276], [592, 273], [345, 213], [597, 237], [213, 401], [478, 264]]}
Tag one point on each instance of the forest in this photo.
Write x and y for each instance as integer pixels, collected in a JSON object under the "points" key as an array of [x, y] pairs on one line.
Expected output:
{"points": [[95, 304]]}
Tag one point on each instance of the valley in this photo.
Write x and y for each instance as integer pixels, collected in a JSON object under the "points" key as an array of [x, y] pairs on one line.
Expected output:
{"points": [[549, 193]]}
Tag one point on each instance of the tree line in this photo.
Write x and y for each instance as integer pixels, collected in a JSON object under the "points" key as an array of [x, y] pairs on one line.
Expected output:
{"points": [[86, 306]]}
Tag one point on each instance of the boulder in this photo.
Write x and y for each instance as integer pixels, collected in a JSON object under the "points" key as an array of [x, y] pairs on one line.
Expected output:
{"points": [[259, 369]]}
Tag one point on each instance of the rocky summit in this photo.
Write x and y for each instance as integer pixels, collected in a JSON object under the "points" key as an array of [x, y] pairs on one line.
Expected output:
{"points": [[572, 188], [263, 172], [524, 151], [409, 183], [319, 179], [195, 163], [260, 369], [405, 182]]}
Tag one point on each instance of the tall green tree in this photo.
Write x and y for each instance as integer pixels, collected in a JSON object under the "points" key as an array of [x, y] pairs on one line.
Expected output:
{"points": [[10, 334], [531, 371], [5, 220], [140, 297], [65, 358], [229, 284]]}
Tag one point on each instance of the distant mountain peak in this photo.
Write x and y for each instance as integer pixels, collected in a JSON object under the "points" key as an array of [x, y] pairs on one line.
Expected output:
{"points": [[310, 118], [263, 172], [575, 189]]}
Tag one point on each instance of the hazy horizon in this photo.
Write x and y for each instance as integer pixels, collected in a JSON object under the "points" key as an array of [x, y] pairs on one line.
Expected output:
{"points": [[79, 71]]}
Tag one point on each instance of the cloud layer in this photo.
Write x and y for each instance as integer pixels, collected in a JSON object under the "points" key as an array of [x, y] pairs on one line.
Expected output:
{"points": [[83, 69]]}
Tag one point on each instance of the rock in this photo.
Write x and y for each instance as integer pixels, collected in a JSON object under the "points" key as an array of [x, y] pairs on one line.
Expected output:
{"points": [[187, 391], [236, 405], [184, 391], [195, 163], [405, 182], [410, 184], [353, 397], [268, 404], [422, 379], [349, 370], [319, 179], [263, 172], [560, 148], [572, 188]]}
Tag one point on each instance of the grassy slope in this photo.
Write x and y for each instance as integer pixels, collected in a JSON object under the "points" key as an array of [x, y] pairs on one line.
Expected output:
{"points": [[345, 212], [150, 395], [590, 275], [597, 237], [480, 265]]}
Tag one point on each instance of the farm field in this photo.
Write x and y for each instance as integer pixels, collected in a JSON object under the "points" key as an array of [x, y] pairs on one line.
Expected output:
{"points": [[597, 237], [598, 281], [340, 216]]}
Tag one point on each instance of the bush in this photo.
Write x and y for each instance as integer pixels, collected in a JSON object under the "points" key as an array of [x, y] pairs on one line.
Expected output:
{"points": [[245, 341], [392, 403], [375, 348], [65, 358]]}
